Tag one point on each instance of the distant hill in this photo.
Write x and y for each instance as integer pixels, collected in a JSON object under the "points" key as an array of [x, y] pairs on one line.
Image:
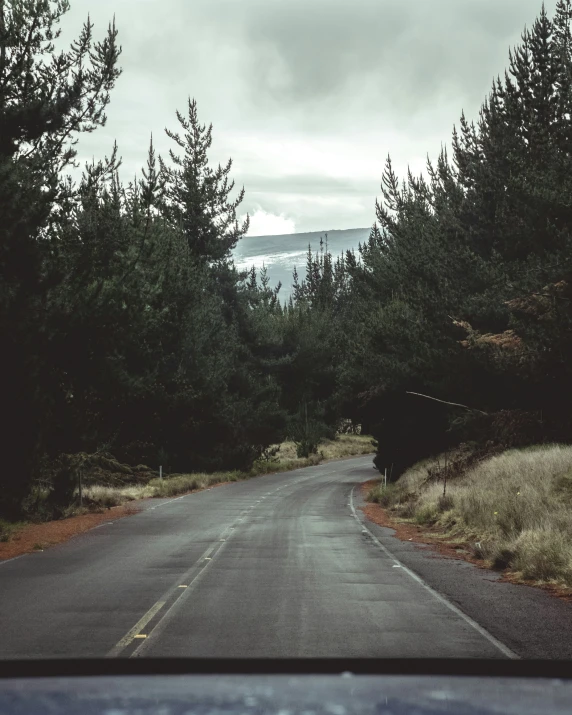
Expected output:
{"points": [[281, 253]]}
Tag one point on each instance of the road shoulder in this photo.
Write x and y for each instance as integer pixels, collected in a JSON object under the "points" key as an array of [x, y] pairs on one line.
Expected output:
{"points": [[38, 537], [529, 620]]}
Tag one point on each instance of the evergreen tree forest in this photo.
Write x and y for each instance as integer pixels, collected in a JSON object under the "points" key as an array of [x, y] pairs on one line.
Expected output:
{"points": [[126, 326]]}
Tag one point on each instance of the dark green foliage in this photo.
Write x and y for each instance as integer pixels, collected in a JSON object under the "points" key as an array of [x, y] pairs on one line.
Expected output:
{"points": [[65, 481], [307, 427], [127, 328], [197, 197], [44, 103], [462, 292], [123, 320]]}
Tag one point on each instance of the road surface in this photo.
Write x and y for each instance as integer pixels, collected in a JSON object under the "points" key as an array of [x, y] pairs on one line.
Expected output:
{"points": [[282, 565]]}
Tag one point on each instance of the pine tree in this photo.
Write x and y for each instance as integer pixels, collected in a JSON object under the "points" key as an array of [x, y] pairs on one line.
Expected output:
{"points": [[562, 57], [46, 99], [197, 197]]}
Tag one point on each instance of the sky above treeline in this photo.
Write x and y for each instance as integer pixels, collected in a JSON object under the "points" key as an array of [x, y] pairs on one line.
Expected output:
{"points": [[308, 97]]}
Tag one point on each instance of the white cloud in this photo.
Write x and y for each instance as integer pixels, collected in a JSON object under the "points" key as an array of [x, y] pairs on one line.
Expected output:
{"points": [[263, 223]]}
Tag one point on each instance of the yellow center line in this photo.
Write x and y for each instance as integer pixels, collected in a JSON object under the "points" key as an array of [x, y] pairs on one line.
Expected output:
{"points": [[135, 631]]}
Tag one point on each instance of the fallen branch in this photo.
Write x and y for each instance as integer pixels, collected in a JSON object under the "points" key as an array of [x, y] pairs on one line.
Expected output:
{"points": [[454, 404]]}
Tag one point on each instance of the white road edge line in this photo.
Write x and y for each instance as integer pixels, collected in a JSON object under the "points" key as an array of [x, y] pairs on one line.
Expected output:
{"points": [[500, 646], [7, 561]]}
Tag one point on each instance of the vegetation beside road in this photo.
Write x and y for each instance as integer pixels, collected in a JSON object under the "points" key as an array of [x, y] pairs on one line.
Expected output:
{"points": [[117, 484], [514, 508], [284, 460], [128, 331]]}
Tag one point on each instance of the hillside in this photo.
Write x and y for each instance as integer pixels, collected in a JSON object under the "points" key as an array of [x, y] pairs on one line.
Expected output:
{"points": [[281, 253]]}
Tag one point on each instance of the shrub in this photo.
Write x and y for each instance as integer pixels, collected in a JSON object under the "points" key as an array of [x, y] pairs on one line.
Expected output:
{"points": [[427, 514], [382, 495], [7, 530], [445, 503], [65, 480], [306, 447], [105, 496]]}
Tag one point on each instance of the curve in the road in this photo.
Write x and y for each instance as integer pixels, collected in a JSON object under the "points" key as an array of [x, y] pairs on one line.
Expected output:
{"points": [[283, 565]]}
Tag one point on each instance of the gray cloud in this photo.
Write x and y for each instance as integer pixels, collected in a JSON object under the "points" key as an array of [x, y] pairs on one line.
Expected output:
{"points": [[307, 96], [305, 184]]}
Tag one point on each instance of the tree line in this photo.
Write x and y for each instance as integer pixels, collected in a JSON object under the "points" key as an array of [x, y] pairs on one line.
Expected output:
{"points": [[127, 327]]}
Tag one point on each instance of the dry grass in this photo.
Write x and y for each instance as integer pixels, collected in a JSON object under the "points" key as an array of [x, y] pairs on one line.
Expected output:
{"points": [[516, 507], [344, 446], [106, 496]]}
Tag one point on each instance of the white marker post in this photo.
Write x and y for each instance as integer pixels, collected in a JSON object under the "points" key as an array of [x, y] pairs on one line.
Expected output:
{"points": [[385, 481], [161, 472]]}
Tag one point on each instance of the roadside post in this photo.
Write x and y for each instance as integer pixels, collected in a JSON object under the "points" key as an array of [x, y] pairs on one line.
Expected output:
{"points": [[161, 472], [385, 479]]}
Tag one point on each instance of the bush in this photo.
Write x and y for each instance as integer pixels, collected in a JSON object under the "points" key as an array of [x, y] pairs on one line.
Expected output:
{"points": [[544, 554], [382, 495], [65, 480], [427, 514], [7, 530], [306, 447], [105, 497], [270, 454], [445, 503]]}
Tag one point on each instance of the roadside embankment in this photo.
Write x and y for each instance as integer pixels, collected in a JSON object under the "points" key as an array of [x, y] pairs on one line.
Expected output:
{"points": [[510, 511]]}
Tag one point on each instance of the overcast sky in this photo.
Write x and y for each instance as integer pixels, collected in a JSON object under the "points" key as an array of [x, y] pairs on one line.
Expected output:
{"points": [[308, 97]]}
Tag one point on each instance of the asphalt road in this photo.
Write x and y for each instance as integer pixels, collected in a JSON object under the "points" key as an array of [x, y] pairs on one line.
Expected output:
{"points": [[279, 566]]}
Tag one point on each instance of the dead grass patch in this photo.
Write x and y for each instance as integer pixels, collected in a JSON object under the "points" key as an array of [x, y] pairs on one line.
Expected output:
{"points": [[513, 510]]}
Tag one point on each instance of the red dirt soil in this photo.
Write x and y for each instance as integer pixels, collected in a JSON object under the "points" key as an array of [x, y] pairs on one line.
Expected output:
{"points": [[433, 536], [37, 537]]}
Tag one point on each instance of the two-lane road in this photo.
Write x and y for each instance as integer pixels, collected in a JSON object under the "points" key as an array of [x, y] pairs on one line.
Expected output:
{"points": [[280, 565]]}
